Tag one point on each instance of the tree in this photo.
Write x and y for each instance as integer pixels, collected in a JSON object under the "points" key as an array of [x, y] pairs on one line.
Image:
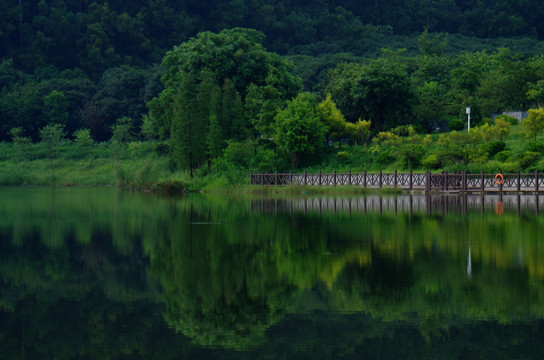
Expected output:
{"points": [[184, 138], [534, 123], [236, 59], [358, 132], [332, 118], [298, 129], [56, 107], [21, 143], [84, 141], [52, 136], [232, 115], [121, 134], [379, 90]]}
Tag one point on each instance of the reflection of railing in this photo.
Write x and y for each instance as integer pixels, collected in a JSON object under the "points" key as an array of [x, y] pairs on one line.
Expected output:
{"points": [[408, 204], [428, 182]]}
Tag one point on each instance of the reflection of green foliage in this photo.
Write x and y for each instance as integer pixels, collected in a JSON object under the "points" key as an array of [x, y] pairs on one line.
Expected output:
{"points": [[231, 274]]}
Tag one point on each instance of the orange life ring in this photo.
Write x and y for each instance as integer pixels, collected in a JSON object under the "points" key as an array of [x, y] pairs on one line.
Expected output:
{"points": [[499, 179]]}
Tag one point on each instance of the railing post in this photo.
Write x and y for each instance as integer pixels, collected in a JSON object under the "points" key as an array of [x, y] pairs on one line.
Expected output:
{"points": [[262, 178], [464, 180], [276, 178], [427, 181], [305, 178], [319, 177], [518, 181], [395, 181], [364, 179], [411, 180], [445, 180], [501, 184], [536, 180], [349, 177], [334, 177], [250, 178], [482, 177], [380, 179]]}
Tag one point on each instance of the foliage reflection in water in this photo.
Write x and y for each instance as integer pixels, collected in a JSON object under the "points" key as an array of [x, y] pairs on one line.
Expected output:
{"points": [[102, 272]]}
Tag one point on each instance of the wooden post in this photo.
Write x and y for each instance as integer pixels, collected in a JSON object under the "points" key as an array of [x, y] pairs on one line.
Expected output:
{"points": [[290, 178], [464, 180], [305, 178], [395, 180], [349, 177], [500, 186], [250, 179], [380, 179], [334, 177], [411, 180], [364, 179], [482, 177], [536, 180], [262, 178], [518, 181], [276, 178], [319, 177], [427, 181], [445, 180]]}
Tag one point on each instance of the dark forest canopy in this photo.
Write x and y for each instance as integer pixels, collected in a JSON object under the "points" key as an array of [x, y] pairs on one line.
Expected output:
{"points": [[97, 61]]}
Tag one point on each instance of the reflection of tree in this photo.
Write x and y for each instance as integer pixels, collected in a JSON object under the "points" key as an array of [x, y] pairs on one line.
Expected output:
{"points": [[237, 279]]}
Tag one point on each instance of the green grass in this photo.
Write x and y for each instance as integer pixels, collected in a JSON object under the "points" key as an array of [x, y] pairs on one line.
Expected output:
{"points": [[141, 167]]}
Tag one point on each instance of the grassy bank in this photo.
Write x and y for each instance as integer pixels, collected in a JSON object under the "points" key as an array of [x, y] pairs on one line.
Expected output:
{"points": [[146, 165]]}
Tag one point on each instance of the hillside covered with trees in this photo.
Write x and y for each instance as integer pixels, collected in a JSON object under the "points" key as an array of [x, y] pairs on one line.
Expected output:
{"points": [[264, 85]]}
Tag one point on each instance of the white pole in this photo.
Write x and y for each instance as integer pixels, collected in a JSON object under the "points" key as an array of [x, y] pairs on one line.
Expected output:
{"points": [[468, 113]]}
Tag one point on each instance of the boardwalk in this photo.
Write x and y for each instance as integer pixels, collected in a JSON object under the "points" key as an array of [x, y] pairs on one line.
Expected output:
{"points": [[426, 182]]}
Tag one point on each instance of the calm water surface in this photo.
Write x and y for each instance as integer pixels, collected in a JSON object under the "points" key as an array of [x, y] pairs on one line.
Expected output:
{"points": [[104, 274]]}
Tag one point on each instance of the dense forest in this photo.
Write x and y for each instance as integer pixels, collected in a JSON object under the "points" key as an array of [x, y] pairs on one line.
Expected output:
{"points": [[200, 76]]}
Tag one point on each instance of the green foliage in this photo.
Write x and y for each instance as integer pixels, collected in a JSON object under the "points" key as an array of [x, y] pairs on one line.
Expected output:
{"points": [[56, 107], [431, 162], [456, 125], [52, 135], [379, 90], [121, 135], [84, 141], [21, 143], [495, 147], [528, 159], [534, 123], [332, 118], [298, 129]]}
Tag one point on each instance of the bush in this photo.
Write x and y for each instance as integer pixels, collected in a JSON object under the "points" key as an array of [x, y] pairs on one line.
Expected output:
{"points": [[504, 155], [535, 147], [162, 149], [385, 157], [512, 120], [431, 162], [456, 125], [495, 147], [528, 159]]}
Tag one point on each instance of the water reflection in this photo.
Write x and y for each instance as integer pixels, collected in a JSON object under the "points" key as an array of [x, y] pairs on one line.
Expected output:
{"points": [[243, 272]]}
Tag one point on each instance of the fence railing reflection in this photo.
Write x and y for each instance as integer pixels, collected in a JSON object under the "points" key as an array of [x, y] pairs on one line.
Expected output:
{"points": [[402, 204]]}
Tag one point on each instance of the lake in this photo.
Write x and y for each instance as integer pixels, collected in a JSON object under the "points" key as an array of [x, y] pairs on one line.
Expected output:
{"points": [[102, 273]]}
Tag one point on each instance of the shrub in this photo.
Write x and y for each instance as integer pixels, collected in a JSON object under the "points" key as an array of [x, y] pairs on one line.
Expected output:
{"points": [[504, 155], [512, 120], [494, 147], [456, 125], [431, 162], [385, 157], [535, 147], [528, 159], [161, 149]]}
